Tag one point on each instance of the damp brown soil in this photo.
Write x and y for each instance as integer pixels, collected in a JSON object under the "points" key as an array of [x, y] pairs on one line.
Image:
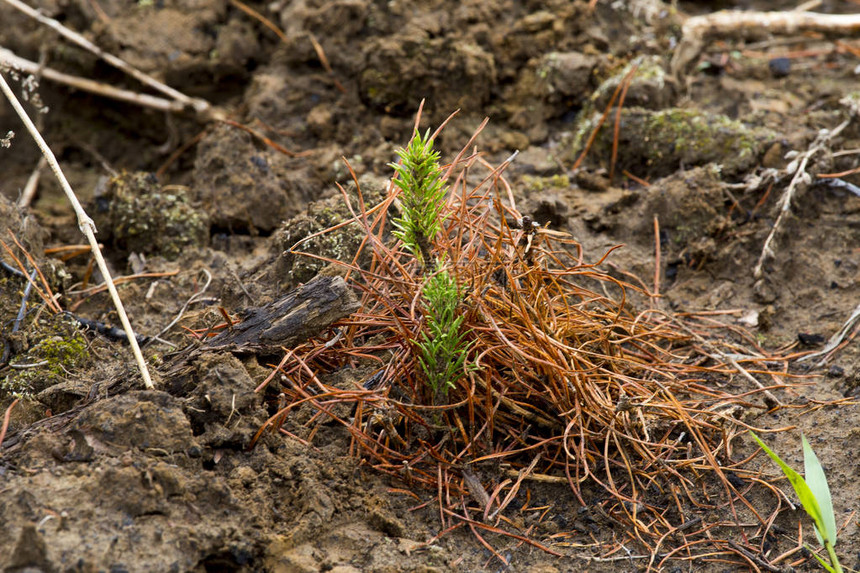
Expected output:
{"points": [[99, 474]]}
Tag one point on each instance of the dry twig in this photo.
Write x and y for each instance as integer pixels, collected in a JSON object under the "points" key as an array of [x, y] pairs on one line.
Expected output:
{"points": [[91, 86], [85, 223], [698, 30], [201, 107]]}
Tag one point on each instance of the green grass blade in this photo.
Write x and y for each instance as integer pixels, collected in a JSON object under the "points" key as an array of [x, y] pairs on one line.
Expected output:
{"points": [[823, 562], [815, 478], [801, 488]]}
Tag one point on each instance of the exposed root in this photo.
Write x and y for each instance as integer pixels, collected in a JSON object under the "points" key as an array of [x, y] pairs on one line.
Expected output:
{"points": [[698, 30], [799, 168]]}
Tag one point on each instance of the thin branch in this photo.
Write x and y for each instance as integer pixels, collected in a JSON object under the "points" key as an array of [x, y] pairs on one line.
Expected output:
{"points": [[203, 108], [697, 30], [85, 224], [91, 86]]}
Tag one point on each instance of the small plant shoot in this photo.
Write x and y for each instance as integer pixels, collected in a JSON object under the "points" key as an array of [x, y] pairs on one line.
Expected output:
{"points": [[814, 495], [419, 179], [443, 351]]}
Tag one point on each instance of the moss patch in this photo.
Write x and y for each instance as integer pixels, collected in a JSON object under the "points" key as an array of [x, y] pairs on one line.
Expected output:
{"points": [[656, 143], [536, 184], [141, 216], [57, 348], [340, 244]]}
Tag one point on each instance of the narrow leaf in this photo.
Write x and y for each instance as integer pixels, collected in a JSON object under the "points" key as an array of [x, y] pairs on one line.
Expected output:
{"points": [[807, 498], [823, 562], [817, 482]]}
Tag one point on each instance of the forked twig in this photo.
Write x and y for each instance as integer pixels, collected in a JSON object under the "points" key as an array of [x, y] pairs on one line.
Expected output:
{"points": [[801, 178], [85, 224]]}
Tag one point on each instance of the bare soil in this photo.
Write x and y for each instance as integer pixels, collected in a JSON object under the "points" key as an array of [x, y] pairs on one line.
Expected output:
{"points": [[98, 474]]}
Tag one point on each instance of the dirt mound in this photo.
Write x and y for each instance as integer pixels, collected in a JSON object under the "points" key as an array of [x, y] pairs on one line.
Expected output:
{"points": [[98, 474]]}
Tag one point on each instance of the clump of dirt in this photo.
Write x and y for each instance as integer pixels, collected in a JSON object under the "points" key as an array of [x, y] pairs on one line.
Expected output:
{"points": [[452, 76], [706, 159], [246, 187], [196, 44], [42, 356], [649, 86], [138, 215]]}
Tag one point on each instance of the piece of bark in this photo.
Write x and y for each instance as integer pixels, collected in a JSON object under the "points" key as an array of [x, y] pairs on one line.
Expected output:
{"points": [[299, 315]]}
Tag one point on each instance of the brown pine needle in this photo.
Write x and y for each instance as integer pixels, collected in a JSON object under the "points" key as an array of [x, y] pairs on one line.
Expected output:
{"points": [[571, 384], [45, 295], [6, 418], [257, 135]]}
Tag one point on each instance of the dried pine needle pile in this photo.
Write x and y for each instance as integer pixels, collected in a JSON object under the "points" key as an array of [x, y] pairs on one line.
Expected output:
{"points": [[557, 378]]}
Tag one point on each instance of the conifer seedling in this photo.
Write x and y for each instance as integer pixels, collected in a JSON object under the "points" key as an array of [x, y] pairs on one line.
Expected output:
{"points": [[419, 179], [442, 348]]}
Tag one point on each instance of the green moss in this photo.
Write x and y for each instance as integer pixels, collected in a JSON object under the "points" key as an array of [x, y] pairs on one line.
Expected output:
{"points": [[142, 217], [656, 143], [536, 184], [59, 348]]}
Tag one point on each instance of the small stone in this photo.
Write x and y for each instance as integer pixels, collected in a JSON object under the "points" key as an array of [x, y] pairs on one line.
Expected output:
{"points": [[779, 67], [835, 371], [807, 339], [592, 181]]}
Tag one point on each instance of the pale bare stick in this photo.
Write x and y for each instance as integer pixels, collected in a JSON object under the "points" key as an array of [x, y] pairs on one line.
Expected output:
{"points": [[697, 30], [835, 340], [88, 85], [86, 225], [202, 107], [32, 184], [801, 178]]}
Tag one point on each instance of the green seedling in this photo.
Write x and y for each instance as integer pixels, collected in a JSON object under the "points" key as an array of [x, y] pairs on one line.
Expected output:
{"points": [[443, 349], [814, 494], [419, 179]]}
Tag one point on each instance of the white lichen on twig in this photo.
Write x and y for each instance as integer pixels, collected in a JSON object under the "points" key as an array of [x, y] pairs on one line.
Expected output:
{"points": [[801, 179]]}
